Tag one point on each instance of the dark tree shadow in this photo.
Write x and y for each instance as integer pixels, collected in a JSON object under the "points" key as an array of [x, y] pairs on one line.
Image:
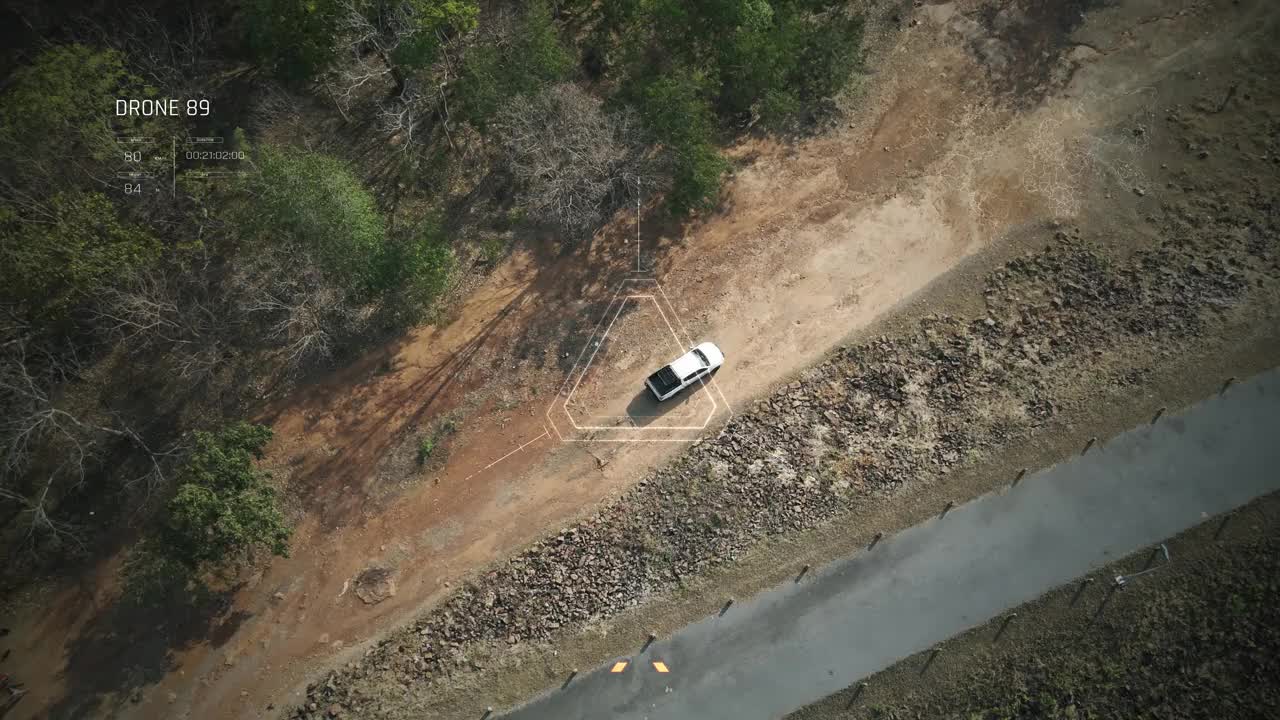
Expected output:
{"points": [[132, 644]]}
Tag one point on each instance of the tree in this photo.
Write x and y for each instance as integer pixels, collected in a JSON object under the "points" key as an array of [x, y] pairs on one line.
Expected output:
{"points": [[293, 38], [61, 238], [51, 117], [422, 26], [306, 314], [313, 205], [394, 37], [575, 163], [515, 58], [49, 445], [773, 61], [224, 508], [65, 248], [675, 108]]}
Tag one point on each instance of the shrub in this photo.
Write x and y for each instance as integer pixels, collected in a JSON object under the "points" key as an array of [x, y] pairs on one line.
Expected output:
{"points": [[511, 62], [79, 245], [426, 446], [224, 507], [312, 204], [428, 443]]}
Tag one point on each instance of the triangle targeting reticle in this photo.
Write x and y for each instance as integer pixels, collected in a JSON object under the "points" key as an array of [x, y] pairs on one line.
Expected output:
{"points": [[603, 397]]}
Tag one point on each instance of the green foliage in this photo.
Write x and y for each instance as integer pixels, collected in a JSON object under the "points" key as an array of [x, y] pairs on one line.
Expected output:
{"points": [[314, 205], [426, 446], [502, 68], [53, 109], [293, 38], [64, 251], [224, 508], [420, 267], [699, 171], [776, 60], [153, 576], [428, 443], [694, 68], [675, 108], [60, 237], [431, 21]]}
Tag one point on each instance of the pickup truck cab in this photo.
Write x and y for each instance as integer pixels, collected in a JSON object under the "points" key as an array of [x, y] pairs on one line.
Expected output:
{"points": [[684, 371]]}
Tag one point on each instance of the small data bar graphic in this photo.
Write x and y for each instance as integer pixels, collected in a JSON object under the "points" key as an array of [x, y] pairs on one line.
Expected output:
{"points": [[213, 173], [133, 140], [204, 141]]}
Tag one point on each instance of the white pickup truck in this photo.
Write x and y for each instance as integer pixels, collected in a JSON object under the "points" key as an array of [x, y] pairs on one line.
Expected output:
{"points": [[684, 371]]}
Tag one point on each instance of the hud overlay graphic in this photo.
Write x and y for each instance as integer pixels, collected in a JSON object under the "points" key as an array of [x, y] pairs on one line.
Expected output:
{"points": [[604, 398]]}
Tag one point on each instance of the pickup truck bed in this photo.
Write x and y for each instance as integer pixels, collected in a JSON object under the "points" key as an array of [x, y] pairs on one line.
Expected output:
{"points": [[664, 380]]}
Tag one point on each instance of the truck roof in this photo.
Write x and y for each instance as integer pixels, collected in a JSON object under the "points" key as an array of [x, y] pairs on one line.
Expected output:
{"points": [[687, 364]]}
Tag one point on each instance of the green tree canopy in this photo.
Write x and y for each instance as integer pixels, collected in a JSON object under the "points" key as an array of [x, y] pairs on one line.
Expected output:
{"points": [[54, 108], [676, 109], [294, 38], [761, 56], [424, 25], [61, 238], [501, 67], [63, 249], [224, 507], [313, 203]]}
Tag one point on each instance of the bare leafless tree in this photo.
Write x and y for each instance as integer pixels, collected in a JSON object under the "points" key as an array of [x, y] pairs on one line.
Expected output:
{"points": [[576, 163], [171, 57], [402, 118], [297, 308], [48, 449], [273, 105], [173, 312], [368, 36]]}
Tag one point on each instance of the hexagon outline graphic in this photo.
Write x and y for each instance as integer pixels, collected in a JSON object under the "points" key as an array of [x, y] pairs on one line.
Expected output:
{"points": [[562, 421]]}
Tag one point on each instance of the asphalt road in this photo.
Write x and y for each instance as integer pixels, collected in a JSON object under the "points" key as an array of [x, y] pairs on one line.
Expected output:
{"points": [[771, 654]]}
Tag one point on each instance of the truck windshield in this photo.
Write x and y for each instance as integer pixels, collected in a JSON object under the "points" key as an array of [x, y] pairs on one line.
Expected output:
{"points": [[703, 358]]}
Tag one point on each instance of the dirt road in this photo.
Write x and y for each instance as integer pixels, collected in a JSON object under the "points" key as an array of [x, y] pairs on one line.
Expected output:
{"points": [[976, 123]]}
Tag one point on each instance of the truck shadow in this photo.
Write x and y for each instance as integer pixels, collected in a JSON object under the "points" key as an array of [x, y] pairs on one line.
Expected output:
{"points": [[643, 409]]}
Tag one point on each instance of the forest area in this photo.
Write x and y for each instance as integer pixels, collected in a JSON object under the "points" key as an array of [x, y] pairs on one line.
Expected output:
{"points": [[395, 147]]}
